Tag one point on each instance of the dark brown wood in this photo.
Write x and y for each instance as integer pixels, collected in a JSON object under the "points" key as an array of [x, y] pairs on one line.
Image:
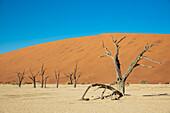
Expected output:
{"points": [[70, 76], [114, 92], [33, 77], [75, 78], [45, 81], [42, 72], [57, 76], [20, 77]]}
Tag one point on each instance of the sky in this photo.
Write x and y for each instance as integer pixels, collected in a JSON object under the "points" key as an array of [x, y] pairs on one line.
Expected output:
{"points": [[25, 23]]}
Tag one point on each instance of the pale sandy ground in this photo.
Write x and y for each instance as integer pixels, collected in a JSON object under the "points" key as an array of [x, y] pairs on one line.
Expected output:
{"points": [[66, 99]]}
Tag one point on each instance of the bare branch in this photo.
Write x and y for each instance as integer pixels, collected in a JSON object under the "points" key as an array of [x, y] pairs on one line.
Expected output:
{"points": [[103, 93], [114, 91], [108, 52], [42, 68], [36, 73], [44, 71], [145, 45], [30, 77], [23, 73], [115, 59], [78, 77], [148, 47], [18, 73], [46, 78], [114, 41], [42, 74], [138, 58], [103, 44], [33, 78], [121, 39], [145, 66], [151, 60], [55, 74], [31, 72], [75, 78], [69, 75], [103, 56], [20, 77]]}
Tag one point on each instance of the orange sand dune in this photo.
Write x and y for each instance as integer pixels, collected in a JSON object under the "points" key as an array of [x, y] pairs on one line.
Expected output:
{"points": [[64, 53]]}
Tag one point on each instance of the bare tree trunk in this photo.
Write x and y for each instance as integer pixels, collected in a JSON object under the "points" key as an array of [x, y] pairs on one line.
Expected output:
{"points": [[71, 80], [70, 75], [42, 75], [74, 74], [34, 83], [75, 82], [33, 78], [20, 82], [75, 78], [45, 84], [121, 86], [45, 80], [57, 76], [57, 83], [20, 77], [42, 81]]}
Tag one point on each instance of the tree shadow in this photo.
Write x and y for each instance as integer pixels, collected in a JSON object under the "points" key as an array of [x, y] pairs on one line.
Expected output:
{"points": [[164, 94]]}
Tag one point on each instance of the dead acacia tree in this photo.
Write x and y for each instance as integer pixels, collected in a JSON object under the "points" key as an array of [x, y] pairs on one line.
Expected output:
{"points": [[121, 79], [42, 72], [45, 81], [20, 77], [75, 78], [33, 77], [57, 76], [70, 76]]}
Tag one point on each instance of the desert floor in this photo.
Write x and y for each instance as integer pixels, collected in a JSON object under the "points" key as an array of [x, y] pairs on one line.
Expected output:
{"points": [[141, 98]]}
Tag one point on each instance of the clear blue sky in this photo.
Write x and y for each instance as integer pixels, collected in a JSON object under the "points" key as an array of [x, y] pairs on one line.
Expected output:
{"points": [[28, 22]]}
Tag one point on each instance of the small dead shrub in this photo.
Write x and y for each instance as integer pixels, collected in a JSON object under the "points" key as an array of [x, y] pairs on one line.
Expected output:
{"points": [[143, 81]]}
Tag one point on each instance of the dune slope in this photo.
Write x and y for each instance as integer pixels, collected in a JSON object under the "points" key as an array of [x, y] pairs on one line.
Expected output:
{"points": [[64, 53]]}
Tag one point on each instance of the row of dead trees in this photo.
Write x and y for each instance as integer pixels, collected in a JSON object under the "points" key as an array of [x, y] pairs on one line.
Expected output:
{"points": [[72, 76]]}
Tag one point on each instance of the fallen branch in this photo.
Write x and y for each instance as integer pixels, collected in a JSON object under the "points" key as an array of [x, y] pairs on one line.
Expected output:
{"points": [[114, 92]]}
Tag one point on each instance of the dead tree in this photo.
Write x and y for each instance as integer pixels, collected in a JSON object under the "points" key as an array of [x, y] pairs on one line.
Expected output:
{"points": [[121, 79], [45, 81], [114, 92], [20, 77], [75, 78], [57, 76], [70, 76], [42, 75], [33, 77]]}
